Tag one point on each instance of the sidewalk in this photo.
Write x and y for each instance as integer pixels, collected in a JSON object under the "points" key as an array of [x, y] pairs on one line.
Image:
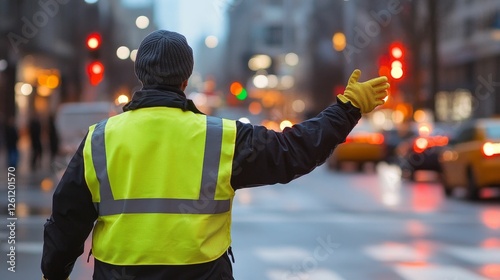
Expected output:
{"points": [[33, 189], [23, 171]]}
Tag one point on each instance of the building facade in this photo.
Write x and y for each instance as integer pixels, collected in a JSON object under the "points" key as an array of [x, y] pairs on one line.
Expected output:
{"points": [[44, 57], [470, 61]]}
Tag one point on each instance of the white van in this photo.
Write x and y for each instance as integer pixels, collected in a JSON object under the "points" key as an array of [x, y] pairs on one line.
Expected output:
{"points": [[73, 120]]}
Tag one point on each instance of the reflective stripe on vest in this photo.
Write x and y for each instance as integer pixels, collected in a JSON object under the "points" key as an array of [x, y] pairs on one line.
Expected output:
{"points": [[204, 205]]}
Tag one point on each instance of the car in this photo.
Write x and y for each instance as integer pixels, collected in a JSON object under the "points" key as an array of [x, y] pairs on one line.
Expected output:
{"points": [[73, 120], [394, 137], [364, 144], [472, 159], [421, 152]]}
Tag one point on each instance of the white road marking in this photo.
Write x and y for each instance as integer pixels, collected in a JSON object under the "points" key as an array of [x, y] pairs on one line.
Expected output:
{"points": [[435, 272], [475, 255], [305, 268], [395, 252], [239, 217], [282, 255], [25, 247], [412, 264], [316, 274]]}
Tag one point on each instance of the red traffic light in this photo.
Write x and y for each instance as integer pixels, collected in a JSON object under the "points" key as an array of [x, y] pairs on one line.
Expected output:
{"points": [[396, 51], [95, 71], [238, 90], [94, 41]]}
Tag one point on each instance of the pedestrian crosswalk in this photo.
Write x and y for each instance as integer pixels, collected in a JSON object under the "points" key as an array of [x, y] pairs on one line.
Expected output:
{"points": [[25, 238], [437, 272], [475, 255], [421, 261], [320, 274], [26, 247], [324, 259]]}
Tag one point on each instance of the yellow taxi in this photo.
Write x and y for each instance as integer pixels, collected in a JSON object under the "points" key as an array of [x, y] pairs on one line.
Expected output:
{"points": [[472, 160], [363, 144]]}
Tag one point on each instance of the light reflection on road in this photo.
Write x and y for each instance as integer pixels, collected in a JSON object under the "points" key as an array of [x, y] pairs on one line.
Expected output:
{"points": [[491, 218], [425, 198], [416, 228], [390, 183]]}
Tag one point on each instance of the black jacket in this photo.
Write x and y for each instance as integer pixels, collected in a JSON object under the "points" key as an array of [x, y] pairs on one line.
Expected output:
{"points": [[261, 157]]}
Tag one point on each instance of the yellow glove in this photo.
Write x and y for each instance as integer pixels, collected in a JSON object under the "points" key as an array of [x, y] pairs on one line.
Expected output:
{"points": [[367, 95]]}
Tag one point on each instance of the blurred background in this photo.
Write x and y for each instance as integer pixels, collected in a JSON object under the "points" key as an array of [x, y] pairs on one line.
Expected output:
{"points": [[274, 60], [418, 176]]}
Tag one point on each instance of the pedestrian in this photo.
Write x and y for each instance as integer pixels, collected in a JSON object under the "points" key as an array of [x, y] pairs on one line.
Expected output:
{"points": [[11, 139], [35, 131], [160, 177], [53, 138]]}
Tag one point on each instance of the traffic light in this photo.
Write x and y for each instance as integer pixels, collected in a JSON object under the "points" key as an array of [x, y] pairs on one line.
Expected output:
{"points": [[238, 90], [95, 68], [384, 66], [93, 41], [396, 53]]}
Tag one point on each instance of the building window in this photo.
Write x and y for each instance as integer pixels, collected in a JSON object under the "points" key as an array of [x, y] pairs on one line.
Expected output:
{"points": [[273, 35]]}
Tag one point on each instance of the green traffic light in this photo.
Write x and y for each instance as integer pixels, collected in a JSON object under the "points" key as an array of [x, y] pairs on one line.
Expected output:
{"points": [[242, 95]]}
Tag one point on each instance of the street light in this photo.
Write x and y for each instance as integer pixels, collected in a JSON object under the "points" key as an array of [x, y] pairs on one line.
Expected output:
{"points": [[260, 81], [339, 41], [142, 22], [259, 61], [211, 41], [292, 59], [133, 54], [123, 52]]}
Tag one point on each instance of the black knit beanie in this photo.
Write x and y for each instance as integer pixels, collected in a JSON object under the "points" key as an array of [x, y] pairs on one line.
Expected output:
{"points": [[164, 58]]}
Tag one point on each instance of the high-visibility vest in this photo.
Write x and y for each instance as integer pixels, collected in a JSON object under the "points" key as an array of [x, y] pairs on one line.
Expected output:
{"points": [[160, 181]]}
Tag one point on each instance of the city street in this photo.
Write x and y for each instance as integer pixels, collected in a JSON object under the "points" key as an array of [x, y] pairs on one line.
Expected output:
{"points": [[413, 83], [324, 226]]}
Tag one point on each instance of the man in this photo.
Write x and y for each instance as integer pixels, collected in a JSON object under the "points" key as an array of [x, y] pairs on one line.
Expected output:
{"points": [[160, 177]]}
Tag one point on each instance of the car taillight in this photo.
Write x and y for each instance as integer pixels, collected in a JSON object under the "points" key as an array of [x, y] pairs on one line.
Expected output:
{"points": [[370, 138], [376, 138], [491, 149], [420, 144], [440, 140]]}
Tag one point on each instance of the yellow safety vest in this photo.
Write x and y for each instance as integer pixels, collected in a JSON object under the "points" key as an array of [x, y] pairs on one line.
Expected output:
{"points": [[160, 181]]}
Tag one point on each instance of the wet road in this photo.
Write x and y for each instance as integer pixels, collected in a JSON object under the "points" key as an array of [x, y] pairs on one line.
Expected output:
{"points": [[324, 226]]}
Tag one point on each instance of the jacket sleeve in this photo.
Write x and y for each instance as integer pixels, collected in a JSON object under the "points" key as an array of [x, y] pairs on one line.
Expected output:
{"points": [[72, 219], [264, 157]]}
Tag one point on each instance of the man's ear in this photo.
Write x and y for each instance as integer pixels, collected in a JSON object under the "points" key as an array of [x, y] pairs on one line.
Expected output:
{"points": [[184, 85]]}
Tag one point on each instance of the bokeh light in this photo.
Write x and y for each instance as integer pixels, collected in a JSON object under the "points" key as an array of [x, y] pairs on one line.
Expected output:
{"points": [[123, 52], [142, 22], [211, 41]]}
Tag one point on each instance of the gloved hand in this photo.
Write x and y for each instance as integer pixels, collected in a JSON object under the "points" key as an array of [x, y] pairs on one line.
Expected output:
{"points": [[367, 95]]}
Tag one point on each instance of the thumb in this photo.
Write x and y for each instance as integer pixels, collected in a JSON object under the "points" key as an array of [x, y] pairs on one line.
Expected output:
{"points": [[354, 76]]}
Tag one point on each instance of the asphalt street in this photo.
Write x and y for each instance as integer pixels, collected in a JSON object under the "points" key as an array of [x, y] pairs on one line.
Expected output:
{"points": [[323, 226]]}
